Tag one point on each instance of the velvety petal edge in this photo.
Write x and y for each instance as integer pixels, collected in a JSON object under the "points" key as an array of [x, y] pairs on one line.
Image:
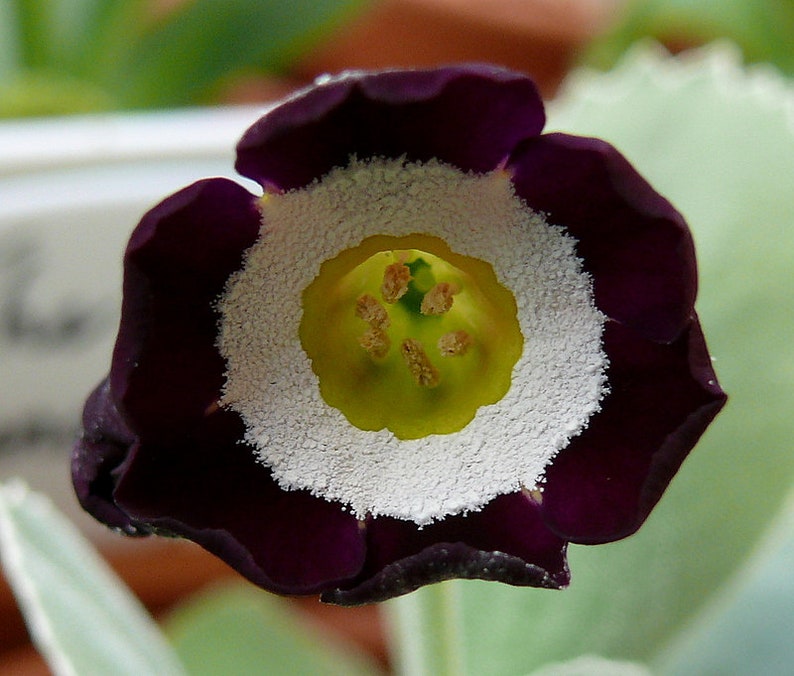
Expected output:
{"points": [[507, 541], [676, 447], [210, 489], [470, 116], [632, 241], [166, 368], [98, 456], [604, 485], [443, 561]]}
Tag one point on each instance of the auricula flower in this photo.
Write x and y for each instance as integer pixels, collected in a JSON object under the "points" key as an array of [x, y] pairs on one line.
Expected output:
{"points": [[439, 344]]}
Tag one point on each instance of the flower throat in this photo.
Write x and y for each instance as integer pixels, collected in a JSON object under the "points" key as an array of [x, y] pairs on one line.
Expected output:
{"points": [[406, 335]]}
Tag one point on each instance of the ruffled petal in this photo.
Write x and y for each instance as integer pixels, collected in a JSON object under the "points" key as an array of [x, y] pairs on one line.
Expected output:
{"points": [[468, 116], [96, 458], [211, 490], [507, 541], [166, 369], [634, 243], [603, 486]]}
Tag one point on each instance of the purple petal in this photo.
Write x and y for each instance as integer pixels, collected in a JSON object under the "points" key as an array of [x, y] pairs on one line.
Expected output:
{"points": [[507, 541], [468, 116], [166, 369], [97, 457], [604, 485], [211, 489], [634, 243]]}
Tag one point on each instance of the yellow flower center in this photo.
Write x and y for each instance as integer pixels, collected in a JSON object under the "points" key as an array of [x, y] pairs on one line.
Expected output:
{"points": [[405, 334]]}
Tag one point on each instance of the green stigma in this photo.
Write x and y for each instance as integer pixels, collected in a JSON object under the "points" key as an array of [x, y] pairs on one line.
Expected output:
{"points": [[405, 334]]}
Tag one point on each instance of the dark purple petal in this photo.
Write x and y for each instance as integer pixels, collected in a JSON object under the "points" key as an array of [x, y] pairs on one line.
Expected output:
{"points": [[97, 457], [468, 116], [210, 489], [166, 369], [634, 243], [604, 485], [506, 541]]}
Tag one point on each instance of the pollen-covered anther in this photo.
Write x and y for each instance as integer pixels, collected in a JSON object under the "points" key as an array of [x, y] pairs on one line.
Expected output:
{"points": [[371, 311], [395, 281], [454, 343], [419, 364], [375, 341], [438, 300]]}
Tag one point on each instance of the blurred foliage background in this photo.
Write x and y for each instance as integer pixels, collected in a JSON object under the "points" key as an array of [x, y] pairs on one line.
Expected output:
{"points": [[72, 56], [64, 56], [762, 29]]}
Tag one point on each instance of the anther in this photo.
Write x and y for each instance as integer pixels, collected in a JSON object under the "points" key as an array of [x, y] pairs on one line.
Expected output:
{"points": [[395, 281], [418, 363], [375, 341], [371, 311], [439, 299], [454, 343]]}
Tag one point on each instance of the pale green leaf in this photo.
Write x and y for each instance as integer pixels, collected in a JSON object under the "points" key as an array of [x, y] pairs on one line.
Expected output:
{"points": [[748, 630], [426, 628], [81, 617], [239, 630], [592, 665], [718, 142]]}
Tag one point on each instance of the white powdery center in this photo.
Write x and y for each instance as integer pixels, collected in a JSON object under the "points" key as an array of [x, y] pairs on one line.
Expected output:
{"points": [[557, 383]]}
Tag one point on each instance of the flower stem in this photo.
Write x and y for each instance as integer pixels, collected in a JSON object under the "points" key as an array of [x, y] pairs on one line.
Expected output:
{"points": [[427, 632]]}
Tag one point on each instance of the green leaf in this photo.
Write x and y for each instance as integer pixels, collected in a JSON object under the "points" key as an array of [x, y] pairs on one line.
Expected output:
{"points": [[31, 19], [35, 93], [56, 35], [184, 56], [241, 630], [749, 629], [88, 33], [591, 665], [426, 625], [50, 51], [127, 54], [718, 142], [762, 28], [10, 38], [81, 618]]}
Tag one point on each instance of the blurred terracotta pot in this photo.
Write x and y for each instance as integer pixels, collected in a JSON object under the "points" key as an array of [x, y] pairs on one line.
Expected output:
{"points": [[538, 37]]}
